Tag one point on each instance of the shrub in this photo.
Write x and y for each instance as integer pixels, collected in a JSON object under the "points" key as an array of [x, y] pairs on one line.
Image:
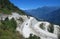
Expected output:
{"points": [[51, 28], [33, 37], [42, 26]]}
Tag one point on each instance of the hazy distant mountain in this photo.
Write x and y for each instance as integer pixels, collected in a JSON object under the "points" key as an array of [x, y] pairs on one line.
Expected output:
{"points": [[46, 13], [42, 10], [7, 7], [54, 17]]}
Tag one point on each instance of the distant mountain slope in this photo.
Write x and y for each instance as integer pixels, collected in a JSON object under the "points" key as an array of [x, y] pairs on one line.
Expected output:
{"points": [[46, 13], [55, 16], [41, 11], [7, 7]]}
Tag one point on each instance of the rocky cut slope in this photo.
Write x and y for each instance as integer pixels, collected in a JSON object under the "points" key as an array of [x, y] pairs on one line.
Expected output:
{"points": [[27, 25], [42, 29]]}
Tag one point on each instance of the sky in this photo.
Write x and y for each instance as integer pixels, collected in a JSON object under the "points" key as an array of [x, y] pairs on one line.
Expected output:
{"points": [[32, 4]]}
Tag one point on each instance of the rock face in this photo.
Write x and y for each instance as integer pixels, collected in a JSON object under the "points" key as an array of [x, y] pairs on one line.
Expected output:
{"points": [[33, 26], [27, 25]]}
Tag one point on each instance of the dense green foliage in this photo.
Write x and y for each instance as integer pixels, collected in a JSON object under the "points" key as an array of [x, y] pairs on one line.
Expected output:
{"points": [[8, 24], [7, 7], [7, 29], [33, 37], [51, 28]]}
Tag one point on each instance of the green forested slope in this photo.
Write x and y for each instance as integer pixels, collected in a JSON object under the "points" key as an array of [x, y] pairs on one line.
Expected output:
{"points": [[7, 7]]}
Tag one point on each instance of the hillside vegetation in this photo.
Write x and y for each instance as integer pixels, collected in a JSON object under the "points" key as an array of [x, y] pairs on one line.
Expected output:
{"points": [[7, 29], [7, 7]]}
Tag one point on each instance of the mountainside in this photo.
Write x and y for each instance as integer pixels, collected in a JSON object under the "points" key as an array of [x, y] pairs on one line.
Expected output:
{"points": [[44, 30], [54, 16], [45, 13], [7, 7], [28, 28], [42, 10]]}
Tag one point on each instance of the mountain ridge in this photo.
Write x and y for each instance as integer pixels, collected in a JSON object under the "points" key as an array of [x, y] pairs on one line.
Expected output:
{"points": [[7, 7], [44, 13]]}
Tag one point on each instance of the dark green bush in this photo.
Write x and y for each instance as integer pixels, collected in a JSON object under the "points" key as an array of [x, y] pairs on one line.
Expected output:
{"points": [[51, 28], [33, 37], [42, 26]]}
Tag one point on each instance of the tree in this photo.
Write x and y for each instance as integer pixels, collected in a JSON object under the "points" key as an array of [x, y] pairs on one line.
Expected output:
{"points": [[13, 23]]}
